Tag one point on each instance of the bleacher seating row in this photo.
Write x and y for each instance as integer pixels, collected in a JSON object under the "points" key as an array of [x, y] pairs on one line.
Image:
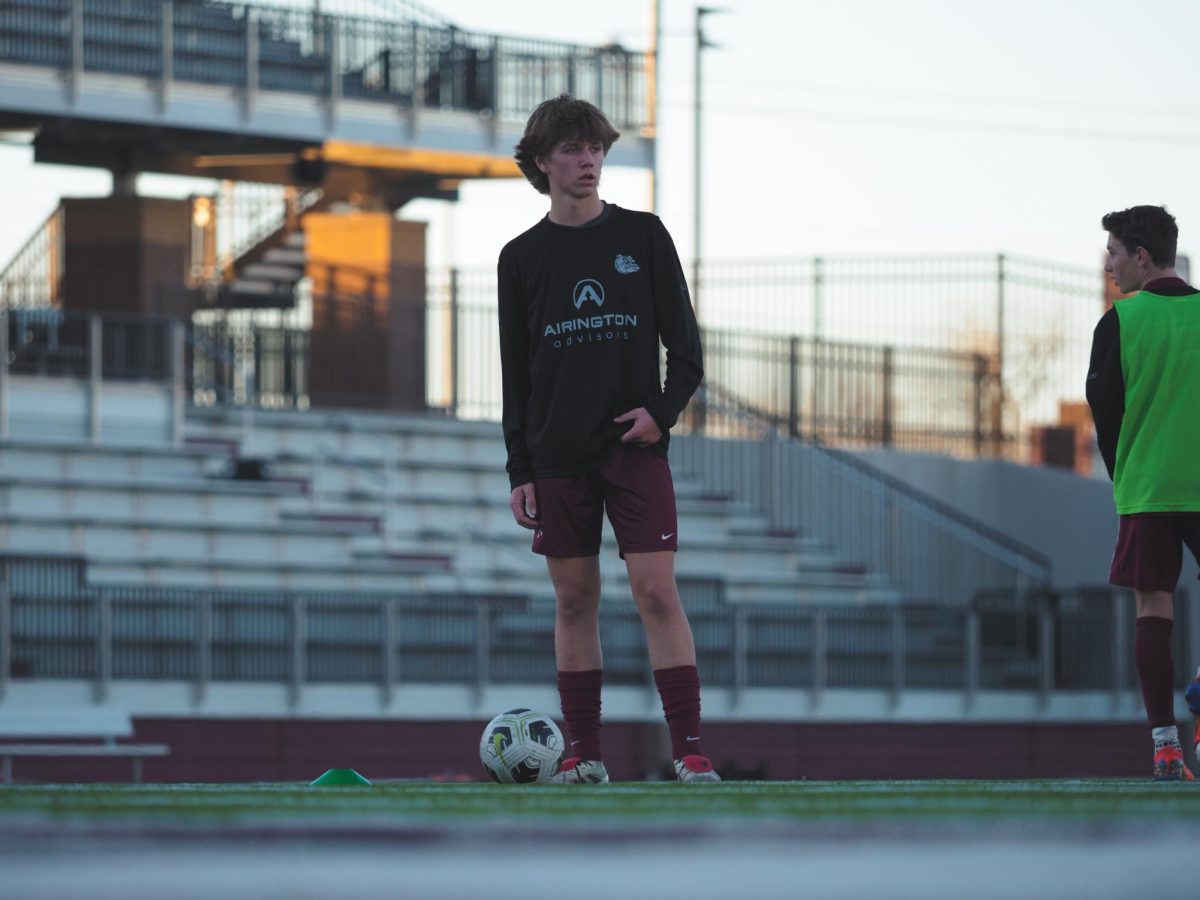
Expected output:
{"points": [[379, 503]]}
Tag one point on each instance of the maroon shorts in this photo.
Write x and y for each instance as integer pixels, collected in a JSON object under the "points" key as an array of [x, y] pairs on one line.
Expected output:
{"points": [[635, 487], [1149, 554]]}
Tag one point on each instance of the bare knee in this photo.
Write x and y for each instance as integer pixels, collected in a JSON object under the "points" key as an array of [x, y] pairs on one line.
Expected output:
{"points": [[578, 597], [657, 599]]}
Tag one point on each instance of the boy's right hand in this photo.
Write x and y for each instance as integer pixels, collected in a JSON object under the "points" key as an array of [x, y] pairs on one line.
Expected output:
{"points": [[523, 503]]}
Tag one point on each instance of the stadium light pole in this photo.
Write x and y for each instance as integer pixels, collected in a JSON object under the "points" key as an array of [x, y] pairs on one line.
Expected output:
{"points": [[652, 107], [697, 171]]}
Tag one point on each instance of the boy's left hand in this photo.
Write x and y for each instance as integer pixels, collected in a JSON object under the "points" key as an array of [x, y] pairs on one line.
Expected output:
{"points": [[644, 432]]}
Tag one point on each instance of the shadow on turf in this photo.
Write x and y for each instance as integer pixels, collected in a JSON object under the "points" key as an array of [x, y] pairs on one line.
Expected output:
{"points": [[729, 771]]}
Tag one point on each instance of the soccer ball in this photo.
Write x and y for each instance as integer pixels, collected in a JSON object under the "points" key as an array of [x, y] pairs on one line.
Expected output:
{"points": [[521, 746]]}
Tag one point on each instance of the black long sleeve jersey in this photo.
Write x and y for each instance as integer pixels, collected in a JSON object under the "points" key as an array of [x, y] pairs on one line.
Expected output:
{"points": [[582, 312]]}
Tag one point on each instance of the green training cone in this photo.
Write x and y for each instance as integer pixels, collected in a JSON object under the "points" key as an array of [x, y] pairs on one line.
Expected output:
{"points": [[339, 778]]}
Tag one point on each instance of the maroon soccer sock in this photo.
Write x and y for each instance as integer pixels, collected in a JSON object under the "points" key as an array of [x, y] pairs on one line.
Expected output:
{"points": [[679, 688], [579, 693], [1156, 668]]}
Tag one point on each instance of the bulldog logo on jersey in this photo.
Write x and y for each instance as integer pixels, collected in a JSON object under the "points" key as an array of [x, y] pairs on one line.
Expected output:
{"points": [[626, 265], [588, 289]]}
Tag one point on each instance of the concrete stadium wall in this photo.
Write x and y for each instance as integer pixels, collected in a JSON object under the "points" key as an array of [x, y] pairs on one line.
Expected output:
{"points": [[1066, 516], [300, 750]]}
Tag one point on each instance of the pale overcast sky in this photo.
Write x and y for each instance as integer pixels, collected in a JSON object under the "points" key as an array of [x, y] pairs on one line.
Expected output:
{"points": [[855, 126]]}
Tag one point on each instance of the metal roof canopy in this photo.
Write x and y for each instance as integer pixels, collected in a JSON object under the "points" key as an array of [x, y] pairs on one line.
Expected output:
{"points": [[416, 130]]}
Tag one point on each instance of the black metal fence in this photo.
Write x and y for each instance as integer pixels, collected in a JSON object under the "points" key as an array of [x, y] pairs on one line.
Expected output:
{"points": [[58, 627], [838, 393]]}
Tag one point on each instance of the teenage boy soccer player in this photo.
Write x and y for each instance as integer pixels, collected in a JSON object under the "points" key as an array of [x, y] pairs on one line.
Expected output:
{"points": [[585, 297], [1143, 387]]}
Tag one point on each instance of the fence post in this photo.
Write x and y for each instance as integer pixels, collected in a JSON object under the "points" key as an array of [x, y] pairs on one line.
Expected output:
{"points": [[335, 71], [768, 474], [898, 651], [4, 433], [980, 395], [388, 648], [1046, 634], [418, 84], [178, 363], [204, 640], [741, 639], [794, 387], [817, 326], [494, 90], [998, 411], [104, 648], [820, 656], [249, 392], [971, 639], [889, 378], [453, 362], [299, 636], [95, 374], [5, 631], [1118, 655], [483, 641]]}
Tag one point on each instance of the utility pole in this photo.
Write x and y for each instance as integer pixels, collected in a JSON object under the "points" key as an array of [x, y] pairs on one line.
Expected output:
{"points": [[654, 102], [697, 171]]}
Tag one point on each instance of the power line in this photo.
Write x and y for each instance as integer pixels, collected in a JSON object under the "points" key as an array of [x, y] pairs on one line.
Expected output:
{"points": [[975, 127], [917, 95]]}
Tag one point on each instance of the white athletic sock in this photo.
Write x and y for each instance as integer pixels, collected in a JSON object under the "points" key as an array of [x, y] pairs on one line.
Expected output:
{"points": [[1168, 734]]}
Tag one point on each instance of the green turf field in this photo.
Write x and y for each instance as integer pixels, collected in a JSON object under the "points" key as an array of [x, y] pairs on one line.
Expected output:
{"points": [[617, 804]]}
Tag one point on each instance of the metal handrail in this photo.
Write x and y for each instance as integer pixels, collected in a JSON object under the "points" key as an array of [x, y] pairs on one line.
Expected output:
{"points": [[1032, 561], [41, 255], [299, 637], [929, 551]]}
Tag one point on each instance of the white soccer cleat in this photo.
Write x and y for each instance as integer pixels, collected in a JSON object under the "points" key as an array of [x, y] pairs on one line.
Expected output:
{"points": [[581, 771], [695, 770]]}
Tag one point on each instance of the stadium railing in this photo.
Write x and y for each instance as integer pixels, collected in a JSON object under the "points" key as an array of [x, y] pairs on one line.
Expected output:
{"points": [[876, 523], [53, 625], [412, 62]]}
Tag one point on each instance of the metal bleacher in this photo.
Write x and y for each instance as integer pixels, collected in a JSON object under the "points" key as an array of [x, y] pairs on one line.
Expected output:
{"points": [[277, 78], [288, 552]]}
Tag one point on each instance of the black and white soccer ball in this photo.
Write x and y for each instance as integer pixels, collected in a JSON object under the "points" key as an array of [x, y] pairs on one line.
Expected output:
{"points": [[521, 746]]}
